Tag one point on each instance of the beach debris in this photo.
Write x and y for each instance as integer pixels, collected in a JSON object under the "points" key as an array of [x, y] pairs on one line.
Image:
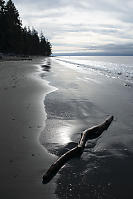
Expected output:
{"points": [[127, 85], [91, 133], [46, 67]]}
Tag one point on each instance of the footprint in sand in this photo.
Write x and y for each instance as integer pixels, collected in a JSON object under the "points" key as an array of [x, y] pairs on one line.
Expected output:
{"points": [[15, 176], [39, 127], [11, 161]]}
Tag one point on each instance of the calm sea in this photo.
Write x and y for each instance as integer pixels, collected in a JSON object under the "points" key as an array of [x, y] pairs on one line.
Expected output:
{"points": [[113, 66]]}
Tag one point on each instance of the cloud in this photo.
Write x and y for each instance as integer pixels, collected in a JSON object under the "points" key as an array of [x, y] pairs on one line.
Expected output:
{"points": [[72, 25]]}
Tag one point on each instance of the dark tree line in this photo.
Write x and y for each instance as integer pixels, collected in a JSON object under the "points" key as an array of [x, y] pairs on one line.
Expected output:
{"points": [[16, 39]]}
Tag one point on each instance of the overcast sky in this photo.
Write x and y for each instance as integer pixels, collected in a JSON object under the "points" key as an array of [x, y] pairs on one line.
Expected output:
{"points": [[82, 25]]}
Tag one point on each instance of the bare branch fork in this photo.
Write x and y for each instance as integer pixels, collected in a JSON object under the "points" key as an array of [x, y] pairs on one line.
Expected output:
{"points": [[88, 134]]}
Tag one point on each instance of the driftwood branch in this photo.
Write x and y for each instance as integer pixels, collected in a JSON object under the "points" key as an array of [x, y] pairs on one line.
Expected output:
{"points": [[88, 134]]}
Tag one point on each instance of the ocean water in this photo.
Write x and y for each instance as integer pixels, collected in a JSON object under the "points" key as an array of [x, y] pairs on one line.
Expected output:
{"points": [[119, 67]]}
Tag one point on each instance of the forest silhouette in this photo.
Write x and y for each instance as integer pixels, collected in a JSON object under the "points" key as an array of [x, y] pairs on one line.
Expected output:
{"points": [[16, 39]]}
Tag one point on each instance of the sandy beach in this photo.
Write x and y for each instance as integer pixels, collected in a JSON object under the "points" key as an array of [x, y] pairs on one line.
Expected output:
{"points": [[43, 112], [22, 118], [66, 99]]}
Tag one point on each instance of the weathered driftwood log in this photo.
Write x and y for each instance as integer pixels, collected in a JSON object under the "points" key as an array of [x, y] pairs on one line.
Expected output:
{"points": [[90, 133]]}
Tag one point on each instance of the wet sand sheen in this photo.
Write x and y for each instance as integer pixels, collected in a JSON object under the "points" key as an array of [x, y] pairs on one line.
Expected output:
{"points": [[80, 103]]}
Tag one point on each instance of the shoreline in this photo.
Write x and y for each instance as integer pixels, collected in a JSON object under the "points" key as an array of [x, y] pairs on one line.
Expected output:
{"points": [[4, 58]]}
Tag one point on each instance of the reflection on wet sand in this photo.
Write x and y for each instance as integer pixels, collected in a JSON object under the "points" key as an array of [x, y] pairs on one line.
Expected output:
{"points": [[64, 133]]}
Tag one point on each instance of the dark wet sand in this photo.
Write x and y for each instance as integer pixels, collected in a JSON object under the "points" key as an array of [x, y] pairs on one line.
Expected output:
{"points": [[22, 118], [81, 101]]}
